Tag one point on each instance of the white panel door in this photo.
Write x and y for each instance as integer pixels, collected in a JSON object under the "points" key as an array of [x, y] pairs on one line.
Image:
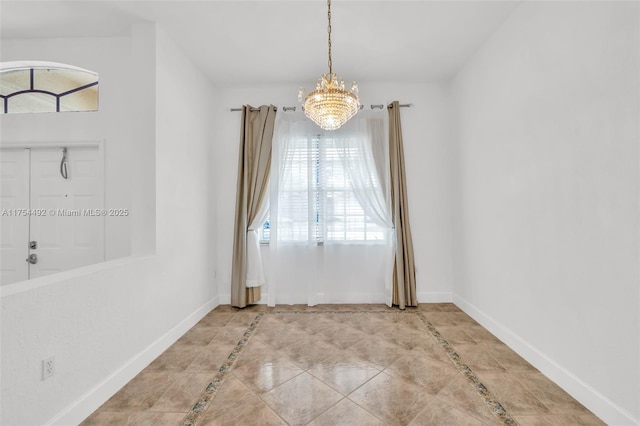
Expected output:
{"points": [[14, 219], [71, 234]]}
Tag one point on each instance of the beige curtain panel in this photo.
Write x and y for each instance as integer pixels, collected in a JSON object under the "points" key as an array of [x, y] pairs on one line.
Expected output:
{"points": [[404, 273], [254, 166]]}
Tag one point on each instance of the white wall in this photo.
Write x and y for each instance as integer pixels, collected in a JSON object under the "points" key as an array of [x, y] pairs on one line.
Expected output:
{"points": [[547, 174], [427, 138], [105, 323], [110, 57], [186, 134]]}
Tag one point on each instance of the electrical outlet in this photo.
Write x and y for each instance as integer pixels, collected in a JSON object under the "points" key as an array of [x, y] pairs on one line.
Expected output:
{"points": [[48, 367]]}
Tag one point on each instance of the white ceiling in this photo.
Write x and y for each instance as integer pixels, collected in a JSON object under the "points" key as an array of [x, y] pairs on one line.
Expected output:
{"points": [[278, 42]]}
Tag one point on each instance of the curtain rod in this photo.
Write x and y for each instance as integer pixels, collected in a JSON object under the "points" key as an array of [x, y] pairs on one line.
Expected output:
{"points": [[292, 108], [258, 109]]}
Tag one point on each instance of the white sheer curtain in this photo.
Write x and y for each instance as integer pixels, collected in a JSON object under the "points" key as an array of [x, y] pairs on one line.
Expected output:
{"points": [[363, 151], [255, 269], [365, 155], [331, 227]]}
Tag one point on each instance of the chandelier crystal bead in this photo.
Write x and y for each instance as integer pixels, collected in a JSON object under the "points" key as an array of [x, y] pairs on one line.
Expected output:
{"points": [[330, 105]]}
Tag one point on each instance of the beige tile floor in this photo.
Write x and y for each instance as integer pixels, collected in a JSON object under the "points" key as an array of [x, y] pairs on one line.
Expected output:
{"points": [[341, 365]]}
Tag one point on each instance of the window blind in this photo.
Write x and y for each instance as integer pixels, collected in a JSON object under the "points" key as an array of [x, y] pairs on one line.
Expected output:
{"points": [[316, 200]]}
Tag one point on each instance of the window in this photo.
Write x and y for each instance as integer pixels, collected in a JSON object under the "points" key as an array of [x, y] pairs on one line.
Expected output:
{"points": [[317, 200], [265, 232], [39, 86]]}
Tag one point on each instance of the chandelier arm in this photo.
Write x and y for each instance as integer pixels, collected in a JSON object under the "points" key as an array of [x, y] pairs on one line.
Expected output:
{"points": [[329, 35]]}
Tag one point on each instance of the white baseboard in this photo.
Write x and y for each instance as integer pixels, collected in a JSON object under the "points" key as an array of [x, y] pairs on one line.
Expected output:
{"points": [[85, 405], [352, 298], [423, 297], [600, 405], [434, 297]]}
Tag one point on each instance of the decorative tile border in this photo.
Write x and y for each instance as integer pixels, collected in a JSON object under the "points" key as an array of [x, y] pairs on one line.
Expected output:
{"points": [[210, 391], [496, 407]]}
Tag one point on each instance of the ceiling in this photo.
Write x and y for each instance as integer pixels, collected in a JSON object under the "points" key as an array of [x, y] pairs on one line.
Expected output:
{"points": [[279, 42]]}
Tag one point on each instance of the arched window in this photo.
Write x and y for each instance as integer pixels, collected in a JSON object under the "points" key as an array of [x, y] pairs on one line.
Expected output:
{"points": [[37, 86]]}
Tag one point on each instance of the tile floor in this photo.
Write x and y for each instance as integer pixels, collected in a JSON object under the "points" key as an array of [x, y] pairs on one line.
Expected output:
{"points": [[340, 365]]}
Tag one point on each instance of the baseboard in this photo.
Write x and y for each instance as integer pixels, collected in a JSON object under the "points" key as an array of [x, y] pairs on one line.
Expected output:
{"points": [[423, 297], [600, 405], [434, 297], [90, 401], [352, 298]]}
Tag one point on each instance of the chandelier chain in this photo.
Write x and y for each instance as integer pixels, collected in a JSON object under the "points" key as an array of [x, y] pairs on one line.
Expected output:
{"points": [[329, 33]]}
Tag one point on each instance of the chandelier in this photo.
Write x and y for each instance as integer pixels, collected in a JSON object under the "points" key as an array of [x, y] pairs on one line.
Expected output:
{"points": [[330, 105]]}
